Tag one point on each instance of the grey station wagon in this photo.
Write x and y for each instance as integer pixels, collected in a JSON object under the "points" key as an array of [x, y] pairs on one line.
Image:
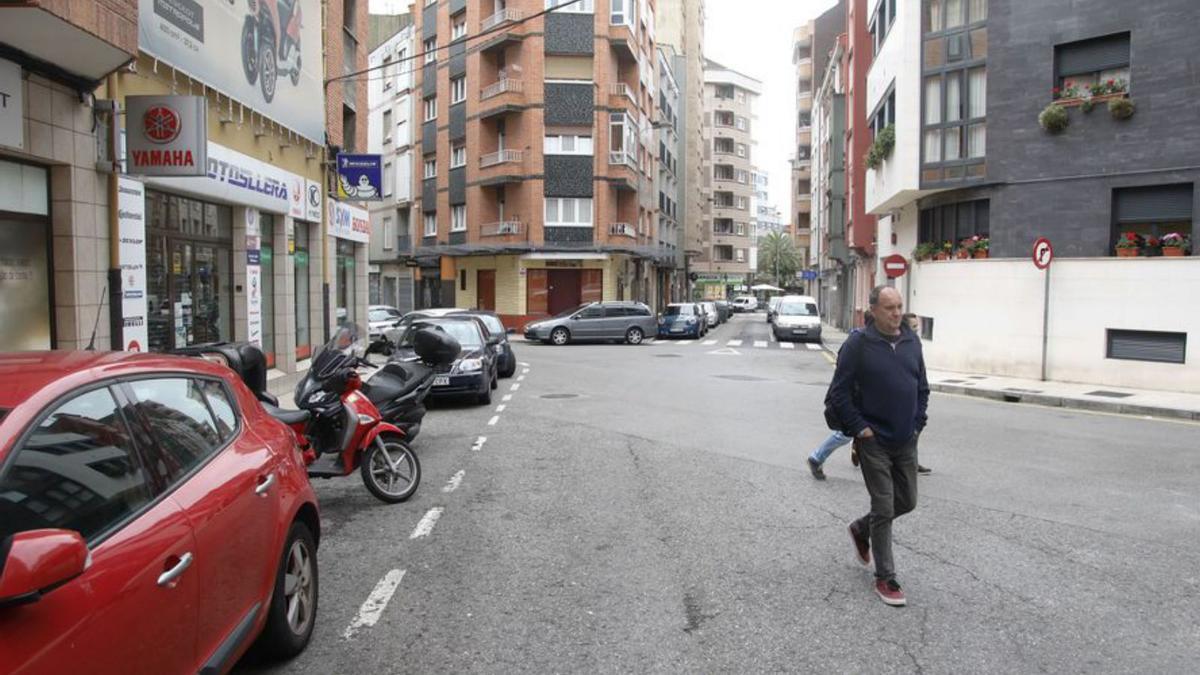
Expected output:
{"points": [[595, 321]]}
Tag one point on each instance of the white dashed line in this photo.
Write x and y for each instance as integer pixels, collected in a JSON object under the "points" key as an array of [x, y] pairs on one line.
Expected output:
{"points": [[710, 342], [500, 408], [454, 481], [479, 444], [520, 378], [734, 343], [492, 422], [525, 372], [507, 398], [375, 603], [685, 342], [814, 347], [787, 345], [426, 525], [514, 387], [760, 343], [524, 365]]}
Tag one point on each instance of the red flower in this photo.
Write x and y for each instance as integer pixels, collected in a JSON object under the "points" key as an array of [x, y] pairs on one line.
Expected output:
{"points": [[1111, 82], [1055, 90], [1129, 236]]}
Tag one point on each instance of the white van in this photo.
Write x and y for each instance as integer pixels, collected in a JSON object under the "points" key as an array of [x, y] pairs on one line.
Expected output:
{"points": [[745, 303], [797, 318]]}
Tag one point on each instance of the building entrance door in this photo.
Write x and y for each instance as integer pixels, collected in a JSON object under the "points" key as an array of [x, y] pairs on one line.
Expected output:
{"points": [[565, 290], [486, 283]]}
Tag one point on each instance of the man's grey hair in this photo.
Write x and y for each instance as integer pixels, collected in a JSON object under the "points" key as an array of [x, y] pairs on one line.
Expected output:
{"points": [[873, 299]]}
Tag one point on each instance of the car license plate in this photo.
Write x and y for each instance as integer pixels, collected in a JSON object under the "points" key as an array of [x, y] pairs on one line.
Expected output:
{"points": [[676, 330], [800, 330], [441, 381]]}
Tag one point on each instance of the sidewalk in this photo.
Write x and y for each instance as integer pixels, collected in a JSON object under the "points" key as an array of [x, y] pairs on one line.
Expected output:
{"points": [[1121, 400]]}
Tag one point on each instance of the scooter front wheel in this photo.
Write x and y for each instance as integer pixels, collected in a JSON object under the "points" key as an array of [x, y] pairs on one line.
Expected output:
{"points": [[390, 469]]}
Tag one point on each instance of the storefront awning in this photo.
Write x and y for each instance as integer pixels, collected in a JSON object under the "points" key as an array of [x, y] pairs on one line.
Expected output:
{"points": [[43, 42]]}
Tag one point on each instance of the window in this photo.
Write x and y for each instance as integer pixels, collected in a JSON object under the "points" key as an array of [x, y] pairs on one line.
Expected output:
{"points": [[723, 145], [221, 404], [741, 96], [388, 72], [581, 7], [458, 154], [593, 312], [77, 471], [743, 176], [724, 118], [387, 126], [741, 150], [723, 226], [741, 229], [458, 26], [569, 212], [458, 90], [388, 234], [1153, 211], [389, 179], [741, 123], [885, 114], [458, 218], [1079, 65], [430, 166], [723, 172], [954, 222], [622, 12], [723, 91], [431, 224], [955, 118], [741, 255], [430, 50], [1144, 345], [881, 24], [431, 109], [723, 253], [568, 145], [180, 422]]}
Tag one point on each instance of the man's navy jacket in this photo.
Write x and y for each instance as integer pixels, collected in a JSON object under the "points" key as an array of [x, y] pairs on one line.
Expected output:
{"points": [[892, 392]]}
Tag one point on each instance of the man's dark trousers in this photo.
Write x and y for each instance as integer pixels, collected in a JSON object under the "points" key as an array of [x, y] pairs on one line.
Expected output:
{"points": [[891, 478]]}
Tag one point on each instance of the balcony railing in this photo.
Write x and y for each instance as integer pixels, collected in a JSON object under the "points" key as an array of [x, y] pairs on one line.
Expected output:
{"points": [[503, 16], [501, 87], [500, 157], [621, 157], [502, 228], [622, 89], [622, 230]]}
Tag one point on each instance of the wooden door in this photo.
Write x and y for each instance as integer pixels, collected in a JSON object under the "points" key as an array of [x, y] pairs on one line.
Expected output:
{"points": [[565, 290], [485, 281]]}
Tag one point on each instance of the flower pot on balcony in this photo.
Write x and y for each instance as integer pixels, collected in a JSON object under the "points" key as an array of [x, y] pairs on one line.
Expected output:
{"points": [[981, 254], [1128, 252], [962, 254], [1172, 251], [941, 255]]}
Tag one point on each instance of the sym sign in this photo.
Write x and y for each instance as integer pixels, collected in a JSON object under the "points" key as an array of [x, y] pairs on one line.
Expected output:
{"points": [[349, 222], [166, 135], [265, 54]]}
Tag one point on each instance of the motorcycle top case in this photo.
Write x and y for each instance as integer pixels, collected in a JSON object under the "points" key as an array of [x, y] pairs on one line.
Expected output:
{"points": [[436, 346]]}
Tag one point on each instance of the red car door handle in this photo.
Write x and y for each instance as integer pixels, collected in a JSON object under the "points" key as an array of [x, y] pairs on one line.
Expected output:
{"points": [[168, 577], [264, 485]]}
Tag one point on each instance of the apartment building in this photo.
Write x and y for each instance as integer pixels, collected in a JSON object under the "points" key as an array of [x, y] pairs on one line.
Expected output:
{"points": [[972, 159], [829, 250], [860, 224], [668, 135], [723, 267], [536, 189], [801, 192], [390, 133]]}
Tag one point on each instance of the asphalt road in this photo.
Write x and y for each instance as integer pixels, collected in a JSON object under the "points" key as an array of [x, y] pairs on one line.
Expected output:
{"points": [[648, 509]]}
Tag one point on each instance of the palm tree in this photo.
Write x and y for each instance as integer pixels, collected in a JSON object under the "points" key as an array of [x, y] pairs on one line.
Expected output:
{"points": [[778, 257]]}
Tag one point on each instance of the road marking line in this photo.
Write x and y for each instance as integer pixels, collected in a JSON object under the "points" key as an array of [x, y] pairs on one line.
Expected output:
{"points": [[520, 378], [454, 481], [479, 444], [726, 351], [710, 342], [685, 342], [375, 603], [787, 345], [523, 365], [426, 525], [507, 398], [734, 343], [514, 387], [829, 357], [492, 422], [760, 343], [500, 408], [525, 371], [814, 347]]}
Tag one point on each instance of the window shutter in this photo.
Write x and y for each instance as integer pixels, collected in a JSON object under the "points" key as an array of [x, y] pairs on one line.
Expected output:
{"points": [[1147, 346], [1159, 202], [1089, 56]]}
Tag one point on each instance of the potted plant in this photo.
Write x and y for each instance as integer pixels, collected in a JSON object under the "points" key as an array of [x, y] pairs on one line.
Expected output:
{"points": [[943, 251], [963, 251], [1054, 119], [1151, 246], [1129, 244], [1176, 245], [924, 251], [882, 147], [979, 249], [1121, 108]]}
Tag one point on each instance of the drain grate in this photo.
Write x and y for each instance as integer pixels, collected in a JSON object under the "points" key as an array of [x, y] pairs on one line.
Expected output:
{"points": [[742, 378], [1108, 394], [559, 396]]}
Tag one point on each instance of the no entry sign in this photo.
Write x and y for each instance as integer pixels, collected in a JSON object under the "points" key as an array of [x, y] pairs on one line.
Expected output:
{"points": [[1043, 253], [895, 266]]}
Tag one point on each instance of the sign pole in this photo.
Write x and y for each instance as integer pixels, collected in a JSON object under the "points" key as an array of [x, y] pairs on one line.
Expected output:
{"points": [[1045, 322]]}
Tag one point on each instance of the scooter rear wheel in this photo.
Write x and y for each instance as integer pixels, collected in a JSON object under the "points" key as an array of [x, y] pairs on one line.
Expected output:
{"points": [[390, 469]]}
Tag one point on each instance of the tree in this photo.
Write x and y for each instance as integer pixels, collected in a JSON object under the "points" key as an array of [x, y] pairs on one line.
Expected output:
{"points": [[778, 258]]}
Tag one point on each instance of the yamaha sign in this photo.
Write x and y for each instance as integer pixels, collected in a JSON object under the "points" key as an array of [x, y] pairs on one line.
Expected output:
{"points": [[166, 135]]}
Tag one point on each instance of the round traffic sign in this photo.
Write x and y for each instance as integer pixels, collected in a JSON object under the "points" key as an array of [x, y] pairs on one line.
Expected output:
{"points": [[895, 266], [1043, 253]]}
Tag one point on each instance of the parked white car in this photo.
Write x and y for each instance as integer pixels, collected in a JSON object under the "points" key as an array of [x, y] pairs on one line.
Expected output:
{"points": [[381, 318], [714, 317], [745, 303]]}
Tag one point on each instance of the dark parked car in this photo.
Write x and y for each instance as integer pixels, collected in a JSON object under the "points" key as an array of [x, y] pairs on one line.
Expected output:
{"points": [[682, 319], [724, 310], [595, 321], [506, 359], [473, 373]]}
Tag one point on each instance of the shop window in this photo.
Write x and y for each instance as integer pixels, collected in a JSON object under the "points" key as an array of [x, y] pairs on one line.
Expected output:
{"points": [[301, 267], [266, 257], [347, 306]]}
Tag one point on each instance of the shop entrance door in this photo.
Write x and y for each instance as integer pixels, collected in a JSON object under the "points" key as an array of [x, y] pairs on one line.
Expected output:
{"points": [[565, 290], [486, 283], [188, 301]]}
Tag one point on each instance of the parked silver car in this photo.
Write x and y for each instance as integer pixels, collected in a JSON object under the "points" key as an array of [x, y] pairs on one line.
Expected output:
{"points": [[595, 321]]}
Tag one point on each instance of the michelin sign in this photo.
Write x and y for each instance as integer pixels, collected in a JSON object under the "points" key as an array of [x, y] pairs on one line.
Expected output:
{"points": [[360, 177]]}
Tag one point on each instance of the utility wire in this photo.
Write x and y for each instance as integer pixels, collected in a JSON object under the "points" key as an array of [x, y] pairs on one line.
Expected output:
{"points": [[469, 38]]}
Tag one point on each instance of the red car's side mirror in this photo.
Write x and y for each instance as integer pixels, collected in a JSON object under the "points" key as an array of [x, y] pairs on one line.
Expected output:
{"points": [[37, 562]]}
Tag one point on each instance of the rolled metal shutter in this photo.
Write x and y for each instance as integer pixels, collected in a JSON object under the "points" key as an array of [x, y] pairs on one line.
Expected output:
{"points": [[1154, 346], [1154, 203], [1096, 54]]}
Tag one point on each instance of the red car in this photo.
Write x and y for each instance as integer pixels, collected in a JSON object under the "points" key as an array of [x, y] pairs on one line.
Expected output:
{"points": [[153, 518]]}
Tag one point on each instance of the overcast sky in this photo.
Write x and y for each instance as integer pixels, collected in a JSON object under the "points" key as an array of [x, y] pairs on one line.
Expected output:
{"points": [[754, 37]]}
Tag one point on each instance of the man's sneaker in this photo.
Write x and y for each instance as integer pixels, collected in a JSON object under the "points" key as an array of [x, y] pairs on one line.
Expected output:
{"points": [[924, 470], [889, 591], [815, 467], [862, 547]]}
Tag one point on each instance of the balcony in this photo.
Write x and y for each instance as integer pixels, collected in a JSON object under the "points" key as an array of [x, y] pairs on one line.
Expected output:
{"points": [[501, 157], [623, 170], [502, 97], [621, 89], [622, 158], [504, 228], [624, 42], [504, 86], [502, 17], [622, 230]]}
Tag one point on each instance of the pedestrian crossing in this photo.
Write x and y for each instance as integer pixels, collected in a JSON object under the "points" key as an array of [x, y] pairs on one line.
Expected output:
{"points": [[756, 344]]}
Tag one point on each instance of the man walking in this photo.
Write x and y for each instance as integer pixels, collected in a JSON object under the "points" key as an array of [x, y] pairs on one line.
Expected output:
{"points": [[880, 394]]}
